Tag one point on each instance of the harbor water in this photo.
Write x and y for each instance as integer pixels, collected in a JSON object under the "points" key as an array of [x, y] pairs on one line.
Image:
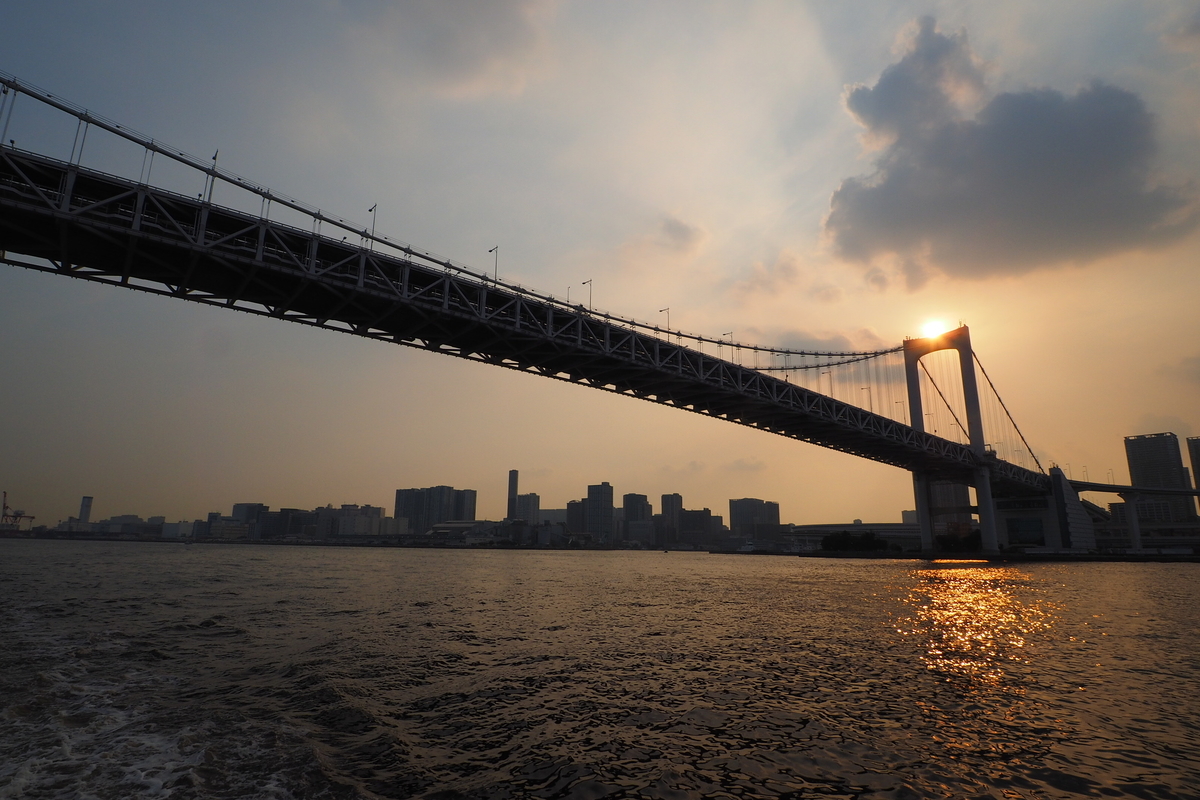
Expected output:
{"points": [[131, 670]]}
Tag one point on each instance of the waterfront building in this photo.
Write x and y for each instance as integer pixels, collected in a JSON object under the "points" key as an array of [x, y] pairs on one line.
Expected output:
{"points": [[600, 512], [1155, 461], [753, 518], [576, 516], [672, 507], [635, 510], [424, 508], [512, 512], [528, 508], [248, 512]]}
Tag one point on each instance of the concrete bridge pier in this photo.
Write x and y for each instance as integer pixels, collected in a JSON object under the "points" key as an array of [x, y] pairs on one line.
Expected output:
{"points": [[924, 513], [989, 536]]}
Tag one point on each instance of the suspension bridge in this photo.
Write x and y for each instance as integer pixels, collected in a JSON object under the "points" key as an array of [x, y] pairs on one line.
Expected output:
{"points": [[916, 406]]}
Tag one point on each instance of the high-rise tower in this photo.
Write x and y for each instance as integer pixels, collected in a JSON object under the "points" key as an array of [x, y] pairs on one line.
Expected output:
{"points": [[512, 495], [1154, 461]]}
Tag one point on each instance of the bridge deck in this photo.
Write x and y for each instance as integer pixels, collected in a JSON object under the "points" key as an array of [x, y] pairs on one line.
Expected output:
{"points": [[62, 218]]}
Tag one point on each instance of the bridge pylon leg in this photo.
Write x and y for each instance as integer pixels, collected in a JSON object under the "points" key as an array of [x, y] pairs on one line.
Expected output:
{"points": [[924, 515], [989, 536]]}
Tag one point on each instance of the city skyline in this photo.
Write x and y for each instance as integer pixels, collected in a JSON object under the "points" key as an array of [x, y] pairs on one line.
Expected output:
{"points": [[160, 405]]}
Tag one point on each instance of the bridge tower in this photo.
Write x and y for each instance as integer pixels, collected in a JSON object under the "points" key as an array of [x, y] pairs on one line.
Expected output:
{"points": [[914, 350]]}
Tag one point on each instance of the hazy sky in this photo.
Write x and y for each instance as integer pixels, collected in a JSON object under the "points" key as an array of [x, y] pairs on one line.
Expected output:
{"points": [[829, 174]]}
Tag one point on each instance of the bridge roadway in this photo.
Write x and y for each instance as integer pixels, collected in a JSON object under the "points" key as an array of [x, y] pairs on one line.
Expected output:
{"points": [[62, 218]]}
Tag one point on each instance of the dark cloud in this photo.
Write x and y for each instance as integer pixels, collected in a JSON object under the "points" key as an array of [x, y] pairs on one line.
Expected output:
{"points": [[1187, 34], [1033, 178], [742, 465], [679, 235], [1189, 368], [459, 47], [1163, 423]]}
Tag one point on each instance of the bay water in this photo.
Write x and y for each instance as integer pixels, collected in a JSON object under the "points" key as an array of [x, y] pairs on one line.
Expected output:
{"points": [[131, 670]]}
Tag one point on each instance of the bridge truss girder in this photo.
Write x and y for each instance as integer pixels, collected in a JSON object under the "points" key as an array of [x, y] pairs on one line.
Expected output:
{"points": [[61, 218]]}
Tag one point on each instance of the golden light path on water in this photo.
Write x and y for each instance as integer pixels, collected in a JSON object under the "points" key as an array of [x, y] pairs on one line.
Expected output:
{"points": [[975, 621]]}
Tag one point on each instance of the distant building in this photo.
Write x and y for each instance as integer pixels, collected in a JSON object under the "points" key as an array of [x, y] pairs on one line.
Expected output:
{"points": [[753, 518], [513, 513], [85, 509], [672, 507], [424, 508], [600, 512], [1193, 446], [1155, 461], [698, 527], [576, 516], [528, 508], [636, 510], [248, 512]]}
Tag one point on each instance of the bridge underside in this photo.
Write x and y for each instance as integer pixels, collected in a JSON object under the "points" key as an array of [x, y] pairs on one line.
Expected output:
{"points": [[61, 218]]}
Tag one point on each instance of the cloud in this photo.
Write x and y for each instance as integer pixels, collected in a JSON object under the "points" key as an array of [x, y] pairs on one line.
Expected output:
{"points": [[1189, 368], [683, 471], [742, 465], [785, 272], [1163, 423], [675, 234], [1031, 179], [1186, 35], [796, 339], [457, 48]]}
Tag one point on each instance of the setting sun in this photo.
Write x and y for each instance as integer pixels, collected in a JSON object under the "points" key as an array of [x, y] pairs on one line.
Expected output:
{"points": [[935, 327]]}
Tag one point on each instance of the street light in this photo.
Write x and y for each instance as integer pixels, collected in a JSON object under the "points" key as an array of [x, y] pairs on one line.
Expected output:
{"points": [[667, 311], [870, 398], [496, 250], [588, 283]]}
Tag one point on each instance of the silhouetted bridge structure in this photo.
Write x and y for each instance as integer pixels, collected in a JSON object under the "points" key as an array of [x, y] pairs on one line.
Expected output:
{"points": [[60, 217]]}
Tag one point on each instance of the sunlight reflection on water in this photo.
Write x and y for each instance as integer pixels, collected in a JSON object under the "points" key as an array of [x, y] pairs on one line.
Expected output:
{"points": [[975, 622]]}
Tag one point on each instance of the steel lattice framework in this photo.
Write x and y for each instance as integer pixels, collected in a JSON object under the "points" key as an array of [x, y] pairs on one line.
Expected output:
{"points": [[59, 217]]}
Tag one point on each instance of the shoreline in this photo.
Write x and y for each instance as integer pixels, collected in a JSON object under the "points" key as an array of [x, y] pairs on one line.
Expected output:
{"points": [[988, 558]]}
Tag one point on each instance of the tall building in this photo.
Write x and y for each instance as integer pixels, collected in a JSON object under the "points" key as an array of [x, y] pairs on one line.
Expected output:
{"points": [[672, 508], [512, 496], [424, 508], [752, 517], [637, 508], [600, 512], [1193, 446], [85, 510], [1154, 461], [576, 515], [248, 512], [528, 508], [698, 527]]}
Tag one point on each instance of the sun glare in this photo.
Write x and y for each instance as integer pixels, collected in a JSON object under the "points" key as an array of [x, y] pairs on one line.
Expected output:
{"points": [[935, 327]]}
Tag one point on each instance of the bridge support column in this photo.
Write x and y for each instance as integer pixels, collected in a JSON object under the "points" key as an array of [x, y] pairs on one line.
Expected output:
{"points": [[1131, 519], [989, 536], [924, 515]]}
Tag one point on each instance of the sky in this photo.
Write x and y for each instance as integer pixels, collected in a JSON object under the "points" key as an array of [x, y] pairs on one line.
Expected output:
{"points": [[827, 175]]}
